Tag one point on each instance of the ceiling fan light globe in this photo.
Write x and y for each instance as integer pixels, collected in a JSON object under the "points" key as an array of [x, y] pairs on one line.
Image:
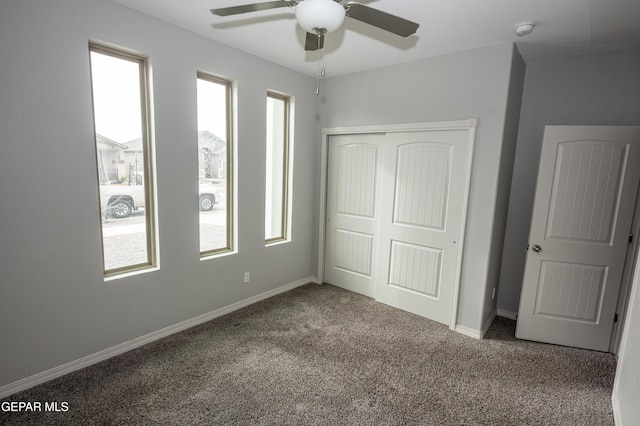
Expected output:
{"points": [[326, 14]]}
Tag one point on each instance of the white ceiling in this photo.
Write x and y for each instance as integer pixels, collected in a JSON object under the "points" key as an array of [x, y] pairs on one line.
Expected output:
{"points": [[564, 28]]}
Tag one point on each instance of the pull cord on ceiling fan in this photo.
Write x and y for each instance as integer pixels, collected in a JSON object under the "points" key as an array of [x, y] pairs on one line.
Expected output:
{"points": [[320, 17]]}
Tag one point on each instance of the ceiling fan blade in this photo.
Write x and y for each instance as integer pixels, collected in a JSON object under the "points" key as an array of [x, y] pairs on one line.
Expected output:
{"points": [[380, 19], [255, 7], [314, 42]]}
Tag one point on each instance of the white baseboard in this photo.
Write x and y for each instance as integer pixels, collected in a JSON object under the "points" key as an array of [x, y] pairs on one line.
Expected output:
{"points": [[467, 331], [615, 404], [86, 361], [472, 332], [507, 314]]}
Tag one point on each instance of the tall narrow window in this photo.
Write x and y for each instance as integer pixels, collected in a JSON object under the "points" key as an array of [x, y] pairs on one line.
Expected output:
{"points": [[277, 170], [119, 82], [214, 163]]}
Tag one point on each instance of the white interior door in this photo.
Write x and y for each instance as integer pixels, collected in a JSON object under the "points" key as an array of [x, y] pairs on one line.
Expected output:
{"points": [[396, 204], [582, 215], [353, 184], [422, 221]]}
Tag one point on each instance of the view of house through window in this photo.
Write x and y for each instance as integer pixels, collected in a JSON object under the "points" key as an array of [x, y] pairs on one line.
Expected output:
{"points": [[214, 163], [119, 88], [277, 167]]}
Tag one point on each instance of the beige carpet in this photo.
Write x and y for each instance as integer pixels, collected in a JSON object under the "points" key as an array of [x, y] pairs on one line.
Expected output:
{"points": [[323, 355]]}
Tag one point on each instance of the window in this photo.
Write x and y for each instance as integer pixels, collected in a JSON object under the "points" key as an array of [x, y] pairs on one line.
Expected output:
{"points": [[277, 170], [119, 83], [214, 163]]}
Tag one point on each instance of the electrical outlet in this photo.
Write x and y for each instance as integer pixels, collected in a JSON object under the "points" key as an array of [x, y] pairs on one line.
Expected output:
{"points": [[247, 277], [493, 294]]}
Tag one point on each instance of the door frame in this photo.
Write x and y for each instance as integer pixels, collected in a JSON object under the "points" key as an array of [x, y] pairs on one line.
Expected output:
{"points": [[627, 278], [327, 132]]}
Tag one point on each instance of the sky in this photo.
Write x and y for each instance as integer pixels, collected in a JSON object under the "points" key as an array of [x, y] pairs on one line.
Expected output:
{"points": [[211, 108], [116, 97], [116, 100]]}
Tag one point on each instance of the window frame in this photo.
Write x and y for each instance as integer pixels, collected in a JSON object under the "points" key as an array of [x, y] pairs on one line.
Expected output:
{"points": [[230, 169], [147, 152], [286, 168]]}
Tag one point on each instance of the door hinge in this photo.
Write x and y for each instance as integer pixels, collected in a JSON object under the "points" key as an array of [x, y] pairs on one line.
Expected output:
{"points": [[630, 238], [615, 318]]}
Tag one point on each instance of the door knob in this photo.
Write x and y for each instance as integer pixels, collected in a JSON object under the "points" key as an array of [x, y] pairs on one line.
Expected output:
{"points": [[536, 248]]}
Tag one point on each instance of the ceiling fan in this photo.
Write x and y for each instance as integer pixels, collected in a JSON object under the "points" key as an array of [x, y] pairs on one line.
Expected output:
{"points": [[319, 17]]}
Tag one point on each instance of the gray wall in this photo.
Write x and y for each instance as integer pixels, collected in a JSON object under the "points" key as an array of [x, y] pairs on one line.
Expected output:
{"points": [[627, 384], [516, 83], [55, 306], [472, 84], [602, 90]]}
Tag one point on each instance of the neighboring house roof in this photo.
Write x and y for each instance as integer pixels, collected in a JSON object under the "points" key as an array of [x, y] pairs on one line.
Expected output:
{"points": [[108, 143], [206, 139], [134, 145], [211, 141]]}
